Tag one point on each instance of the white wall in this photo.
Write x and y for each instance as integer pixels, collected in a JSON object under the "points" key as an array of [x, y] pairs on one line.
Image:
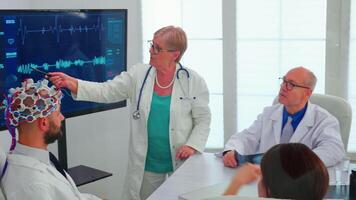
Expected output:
{"points": [[97, 140]]}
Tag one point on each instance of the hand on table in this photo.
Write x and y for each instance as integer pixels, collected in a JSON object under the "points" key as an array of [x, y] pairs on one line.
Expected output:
{"points": [[246, 174], [184, 152], [229, 159]]}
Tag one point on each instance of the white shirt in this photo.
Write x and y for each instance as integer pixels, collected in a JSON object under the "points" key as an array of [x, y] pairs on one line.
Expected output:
{"points": [[30, 175], [2, 159]]}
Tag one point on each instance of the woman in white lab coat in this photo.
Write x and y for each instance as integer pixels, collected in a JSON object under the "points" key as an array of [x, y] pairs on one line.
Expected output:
{"points": [[169, 104]]}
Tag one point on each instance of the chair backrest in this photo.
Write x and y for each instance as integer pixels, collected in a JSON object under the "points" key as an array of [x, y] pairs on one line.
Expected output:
{"points": [[339, 108]]}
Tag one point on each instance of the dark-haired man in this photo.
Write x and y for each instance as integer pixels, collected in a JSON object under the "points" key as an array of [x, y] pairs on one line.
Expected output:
{"points": [[31, 171]]}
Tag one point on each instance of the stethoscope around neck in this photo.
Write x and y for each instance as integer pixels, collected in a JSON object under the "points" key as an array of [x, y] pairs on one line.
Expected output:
{"points": [[136, 114]]}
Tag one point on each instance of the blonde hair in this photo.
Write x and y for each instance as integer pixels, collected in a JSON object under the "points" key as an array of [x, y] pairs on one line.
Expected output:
{"points": [[175, 39]]}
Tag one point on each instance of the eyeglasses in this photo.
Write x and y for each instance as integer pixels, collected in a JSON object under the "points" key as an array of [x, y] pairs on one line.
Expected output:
{"points": [[156, 49], [289, 85]]}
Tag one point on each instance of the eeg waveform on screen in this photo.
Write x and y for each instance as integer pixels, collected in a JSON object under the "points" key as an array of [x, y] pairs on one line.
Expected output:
{"points": [[86, 44], [57, 29], [61, 64]]}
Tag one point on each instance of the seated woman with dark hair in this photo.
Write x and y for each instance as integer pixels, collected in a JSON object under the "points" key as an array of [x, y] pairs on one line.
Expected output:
{"points": [[288, 171]]}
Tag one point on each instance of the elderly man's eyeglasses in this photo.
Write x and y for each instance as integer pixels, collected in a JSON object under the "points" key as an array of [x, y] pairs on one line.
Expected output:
{"points": [[289, 85], [156, 49]]}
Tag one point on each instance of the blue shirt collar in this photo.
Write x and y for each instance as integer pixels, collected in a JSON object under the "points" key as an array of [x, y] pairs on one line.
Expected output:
{"points": [[296, 117]]}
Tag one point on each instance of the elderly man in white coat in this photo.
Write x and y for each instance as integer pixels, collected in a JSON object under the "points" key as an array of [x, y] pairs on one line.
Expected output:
{"points": [[294, 120], [31, 171]]}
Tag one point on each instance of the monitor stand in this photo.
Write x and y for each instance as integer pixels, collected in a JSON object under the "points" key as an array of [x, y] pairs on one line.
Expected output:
{"points": [[81, 174]]}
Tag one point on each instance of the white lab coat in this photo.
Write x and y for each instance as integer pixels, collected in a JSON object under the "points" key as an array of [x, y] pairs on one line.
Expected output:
{"points": [[31, 179], [189, 117], [318, 129], [2, 159]]}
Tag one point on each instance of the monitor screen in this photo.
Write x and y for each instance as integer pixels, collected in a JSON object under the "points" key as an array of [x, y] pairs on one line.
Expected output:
{"points": [[87, 44]]}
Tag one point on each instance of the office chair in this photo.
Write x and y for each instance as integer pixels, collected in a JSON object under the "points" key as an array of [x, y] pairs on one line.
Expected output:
{"points": [[339, 108]]}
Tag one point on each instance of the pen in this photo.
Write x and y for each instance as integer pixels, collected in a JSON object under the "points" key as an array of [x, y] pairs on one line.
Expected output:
{"points": [[40, 71]]}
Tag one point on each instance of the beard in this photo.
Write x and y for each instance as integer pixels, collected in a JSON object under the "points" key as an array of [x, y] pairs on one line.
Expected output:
{"points": [[53, 134]]}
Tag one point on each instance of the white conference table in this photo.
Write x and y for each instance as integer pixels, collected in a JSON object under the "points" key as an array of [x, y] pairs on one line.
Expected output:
{"points": [[198, 171], [206, 171]]}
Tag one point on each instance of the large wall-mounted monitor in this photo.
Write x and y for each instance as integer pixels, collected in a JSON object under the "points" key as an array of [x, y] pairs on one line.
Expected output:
{"points": [[87, 44]]}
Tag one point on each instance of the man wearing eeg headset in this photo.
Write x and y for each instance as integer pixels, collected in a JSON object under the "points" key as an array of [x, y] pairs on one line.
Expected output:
{"points": [[31, 171], [169, 105]]}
